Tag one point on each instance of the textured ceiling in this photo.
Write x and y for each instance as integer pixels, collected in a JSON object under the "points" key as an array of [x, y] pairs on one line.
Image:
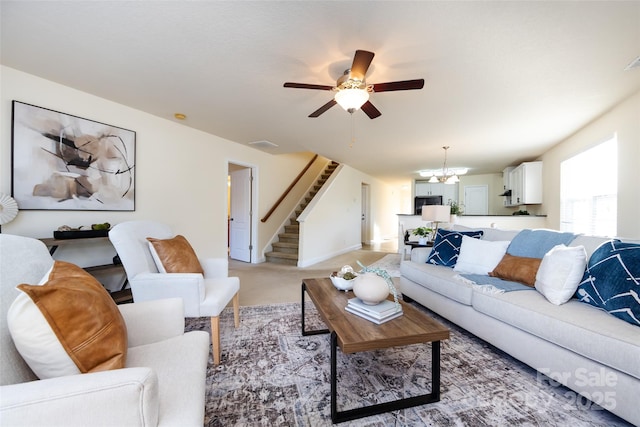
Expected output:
{"points": [[504, 81]]}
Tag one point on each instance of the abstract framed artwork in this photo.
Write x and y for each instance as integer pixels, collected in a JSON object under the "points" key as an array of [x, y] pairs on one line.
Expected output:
{"points": [[65, 162]]}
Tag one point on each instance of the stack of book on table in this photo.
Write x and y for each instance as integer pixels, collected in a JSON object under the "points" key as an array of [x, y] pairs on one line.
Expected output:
{"points": [[378, 313]]}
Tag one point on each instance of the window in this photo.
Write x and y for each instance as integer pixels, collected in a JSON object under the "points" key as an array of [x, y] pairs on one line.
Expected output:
{"points": [[589, 191]]}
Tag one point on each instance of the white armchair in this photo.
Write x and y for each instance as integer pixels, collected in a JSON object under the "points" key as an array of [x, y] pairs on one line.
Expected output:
{"points": [[163, 383], [203, 294]]}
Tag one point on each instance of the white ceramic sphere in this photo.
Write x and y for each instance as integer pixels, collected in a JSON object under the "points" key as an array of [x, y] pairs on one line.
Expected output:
{"points": [[370, 288]]}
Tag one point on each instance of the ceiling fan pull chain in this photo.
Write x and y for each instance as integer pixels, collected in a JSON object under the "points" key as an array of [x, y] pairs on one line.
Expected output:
{"points": [[353, 132]]}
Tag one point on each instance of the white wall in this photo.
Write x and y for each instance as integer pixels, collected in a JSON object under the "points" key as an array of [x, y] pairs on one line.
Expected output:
{"points": [[495, 185], [181, 173], [624, 120], [332, 225]]}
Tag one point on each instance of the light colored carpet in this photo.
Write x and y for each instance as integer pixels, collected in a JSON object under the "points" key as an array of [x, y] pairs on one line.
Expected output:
{"points": [[268, 283], [271, 375], [390, 263]]}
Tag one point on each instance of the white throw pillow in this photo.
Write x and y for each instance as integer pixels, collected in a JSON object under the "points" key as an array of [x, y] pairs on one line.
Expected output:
{"points": [[560, 273], [480, 256]]}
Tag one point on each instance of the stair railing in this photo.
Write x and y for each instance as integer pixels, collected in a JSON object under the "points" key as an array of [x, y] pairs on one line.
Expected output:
{"points": [[288, 190]]}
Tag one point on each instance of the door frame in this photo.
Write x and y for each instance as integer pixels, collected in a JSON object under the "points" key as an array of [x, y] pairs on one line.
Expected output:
{"points": [[253, 203]]}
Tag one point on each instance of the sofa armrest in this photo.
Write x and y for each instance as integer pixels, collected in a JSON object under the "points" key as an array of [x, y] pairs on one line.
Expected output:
{"points": [[420, 255], [215, 267], [153, 286], [118, 397], [153, 321]]}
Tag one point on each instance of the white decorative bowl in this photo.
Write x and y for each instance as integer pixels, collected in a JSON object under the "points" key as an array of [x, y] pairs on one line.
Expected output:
{"points": [[342, 284]]}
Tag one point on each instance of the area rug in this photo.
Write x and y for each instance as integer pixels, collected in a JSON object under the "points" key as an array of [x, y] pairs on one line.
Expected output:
{"points": [[390, 263], [271, 375]]}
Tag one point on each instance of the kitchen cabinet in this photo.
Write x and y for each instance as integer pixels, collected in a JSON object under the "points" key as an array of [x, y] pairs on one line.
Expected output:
{"points": [[447, 191], [424, 188], [526, 184]]}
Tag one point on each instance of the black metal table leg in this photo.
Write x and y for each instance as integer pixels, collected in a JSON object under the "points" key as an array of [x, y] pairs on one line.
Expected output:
{"points": [[408, 402], [305, 332]]}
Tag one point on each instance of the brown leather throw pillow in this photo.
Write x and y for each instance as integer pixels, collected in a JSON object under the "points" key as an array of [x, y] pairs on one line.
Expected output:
{"points": [[83, 316], [517, 269], [176, 255]]}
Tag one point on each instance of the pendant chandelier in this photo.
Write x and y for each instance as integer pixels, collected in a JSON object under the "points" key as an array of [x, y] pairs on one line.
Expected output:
{"points": [[446, 175]]}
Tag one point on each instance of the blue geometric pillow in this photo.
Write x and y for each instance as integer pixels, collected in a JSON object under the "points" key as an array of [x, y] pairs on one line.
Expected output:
{"points": [[446, 246], [612, 280]]}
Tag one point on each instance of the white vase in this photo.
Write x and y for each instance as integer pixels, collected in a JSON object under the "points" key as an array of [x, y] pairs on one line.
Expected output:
{"points": [[422, 240], [370, 288]]}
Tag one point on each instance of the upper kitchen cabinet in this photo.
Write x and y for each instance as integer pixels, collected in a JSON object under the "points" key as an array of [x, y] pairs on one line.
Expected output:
{"points": [[447, 191], [526, 184]]}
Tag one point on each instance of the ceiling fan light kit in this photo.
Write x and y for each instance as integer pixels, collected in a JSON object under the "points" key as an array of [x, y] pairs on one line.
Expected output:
{"points": [[352, 91], [351, 99]]}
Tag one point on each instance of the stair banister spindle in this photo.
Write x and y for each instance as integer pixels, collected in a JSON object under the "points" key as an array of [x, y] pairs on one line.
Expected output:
{"points": [[288, 190]]}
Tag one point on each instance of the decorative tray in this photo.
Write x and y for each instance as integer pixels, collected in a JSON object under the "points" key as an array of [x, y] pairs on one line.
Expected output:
{"points": [[79, 234]]}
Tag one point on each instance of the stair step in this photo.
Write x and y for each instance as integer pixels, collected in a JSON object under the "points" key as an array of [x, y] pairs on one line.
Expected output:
{"points": [[285, 247], [293, 229], [289, 237], [282, 258]]}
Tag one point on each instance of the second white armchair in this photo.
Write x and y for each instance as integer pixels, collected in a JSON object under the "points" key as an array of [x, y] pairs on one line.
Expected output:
{"points": [[204, 295]]}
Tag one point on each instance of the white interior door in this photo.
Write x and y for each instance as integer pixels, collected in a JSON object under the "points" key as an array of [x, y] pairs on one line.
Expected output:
{"points": [[365, 224], [240, 215], [476, 200]]}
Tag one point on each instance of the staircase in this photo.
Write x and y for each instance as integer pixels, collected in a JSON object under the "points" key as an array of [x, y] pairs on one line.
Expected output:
{"points": [[285, 250]]}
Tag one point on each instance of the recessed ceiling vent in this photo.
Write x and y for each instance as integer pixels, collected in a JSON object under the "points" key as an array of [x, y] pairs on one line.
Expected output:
{"points": [[263, 144], [634, 64]]}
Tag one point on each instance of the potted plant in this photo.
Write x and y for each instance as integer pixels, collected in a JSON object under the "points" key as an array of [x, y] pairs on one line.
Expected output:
{"points": [[456, 210], [423, 234]]}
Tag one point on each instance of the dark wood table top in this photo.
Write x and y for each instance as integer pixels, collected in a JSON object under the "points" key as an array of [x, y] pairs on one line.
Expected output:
{"points": [[355, 333]]}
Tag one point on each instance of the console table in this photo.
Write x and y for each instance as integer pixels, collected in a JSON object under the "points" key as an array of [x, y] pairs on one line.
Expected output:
{"points": [[121, 296]]}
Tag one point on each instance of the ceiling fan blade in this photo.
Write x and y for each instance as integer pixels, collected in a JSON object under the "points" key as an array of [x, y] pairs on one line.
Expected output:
{"points": [[324, 108], [402, 85], [361, 62], [307, 86], [370, 110]]}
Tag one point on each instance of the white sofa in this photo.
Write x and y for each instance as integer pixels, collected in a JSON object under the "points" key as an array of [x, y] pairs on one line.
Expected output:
{"points": [[163, 383], [588, 350]]}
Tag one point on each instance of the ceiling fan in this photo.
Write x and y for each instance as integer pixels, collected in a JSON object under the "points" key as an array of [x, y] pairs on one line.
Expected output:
{"points": [[352, 91]]}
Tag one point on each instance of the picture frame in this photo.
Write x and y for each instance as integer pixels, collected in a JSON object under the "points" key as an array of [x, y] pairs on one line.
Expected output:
{"points": [[65, 162]]}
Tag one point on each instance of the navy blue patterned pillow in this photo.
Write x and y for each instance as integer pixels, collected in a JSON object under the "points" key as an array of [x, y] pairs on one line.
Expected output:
{"points": [[446, 246], [612, 280]]}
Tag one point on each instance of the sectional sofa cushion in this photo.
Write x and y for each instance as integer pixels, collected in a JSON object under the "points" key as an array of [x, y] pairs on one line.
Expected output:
{"points": [[446, 246], [491, 234], [438, 279], [612, 280], [560, 273], [574, 325]]}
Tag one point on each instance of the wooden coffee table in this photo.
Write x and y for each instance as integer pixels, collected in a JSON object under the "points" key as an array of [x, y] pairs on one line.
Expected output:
{"points": [[352, 334]]}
